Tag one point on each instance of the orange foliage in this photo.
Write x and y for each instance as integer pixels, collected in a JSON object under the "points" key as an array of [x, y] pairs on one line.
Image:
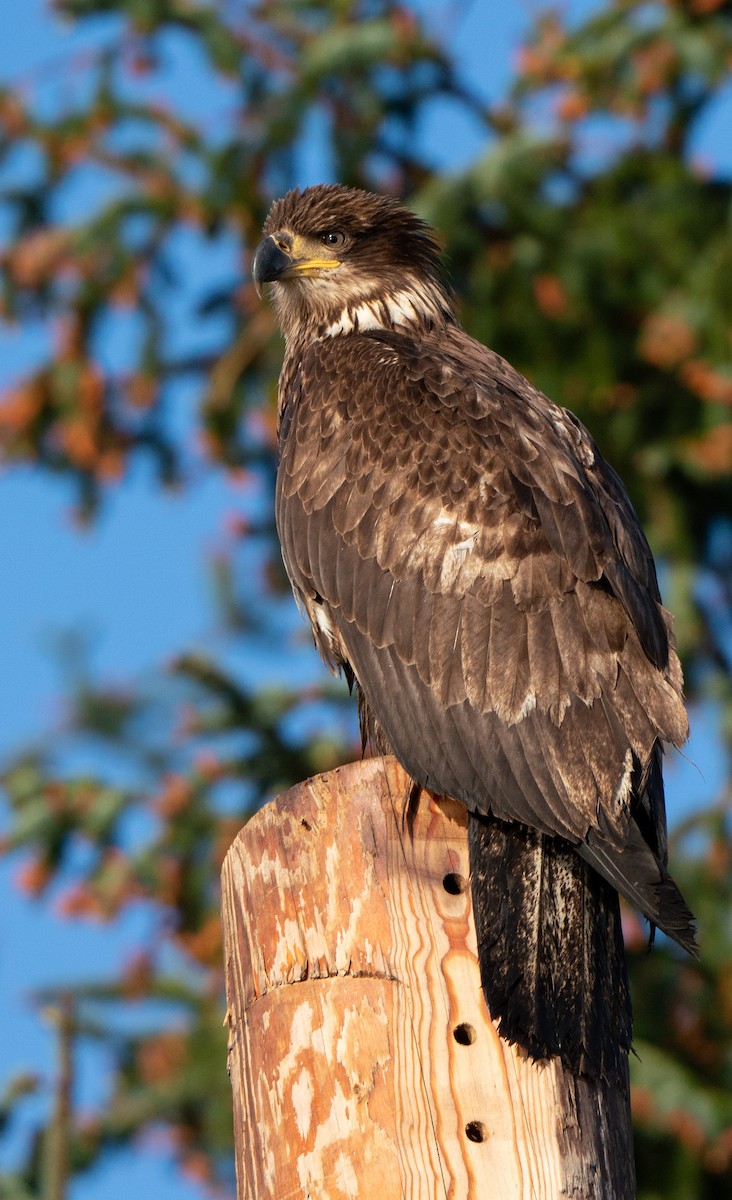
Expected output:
{"points": [[126, 291], [169, 879], [32, 876], [643, 1103], [666, 339], [162, 1057], [500, 255], [719, 861], [190, 209], [111, 465], [683, 1126], [35, 257], [196, 1167], [688, 1022], [78, 901], [718, 1157], [159, 185], [655, 65], [137, 976], [622, 395], [208, 766], [116, 884], [404, 22], [700, 377], [101, 898], [542, 59], [90, 387], [550, 295], [56, 797], [635, 935], [712, 451], [74, 150], [187, 723], [724, 993], [78, 439], [13, 118], [142, 390], [572, 105], [210, 444], [686, 1129], [175, 796], [20, 407], [530, 60], [78, 434], [68, 338], [205, 943], [541, 63], [629, 107]]}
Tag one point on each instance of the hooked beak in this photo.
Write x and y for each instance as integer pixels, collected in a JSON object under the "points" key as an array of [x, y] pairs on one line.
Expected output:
{"points": [[271, 262]]}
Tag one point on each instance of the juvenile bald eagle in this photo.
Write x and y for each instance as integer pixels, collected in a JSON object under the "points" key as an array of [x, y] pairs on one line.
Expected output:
{"points": [[466, 556]]}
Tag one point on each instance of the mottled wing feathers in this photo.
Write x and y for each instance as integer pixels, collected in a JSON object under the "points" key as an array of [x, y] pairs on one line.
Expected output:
{"points": [[457, 539]]}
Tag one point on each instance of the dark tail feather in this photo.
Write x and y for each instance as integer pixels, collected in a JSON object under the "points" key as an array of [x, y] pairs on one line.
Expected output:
{"points": [[550, 947]]}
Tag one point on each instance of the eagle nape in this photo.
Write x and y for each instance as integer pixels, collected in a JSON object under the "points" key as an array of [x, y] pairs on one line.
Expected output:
{"points": [[467, 557]]}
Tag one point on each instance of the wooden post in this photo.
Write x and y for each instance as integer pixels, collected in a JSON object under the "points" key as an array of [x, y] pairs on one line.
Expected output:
{"points": [[363, 1060]]}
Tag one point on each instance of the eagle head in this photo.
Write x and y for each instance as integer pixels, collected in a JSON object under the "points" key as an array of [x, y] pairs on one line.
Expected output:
{"points": [[340, 260]]}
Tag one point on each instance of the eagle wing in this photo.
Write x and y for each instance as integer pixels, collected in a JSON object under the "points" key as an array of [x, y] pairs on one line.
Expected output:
{"points": [[461, 546]]}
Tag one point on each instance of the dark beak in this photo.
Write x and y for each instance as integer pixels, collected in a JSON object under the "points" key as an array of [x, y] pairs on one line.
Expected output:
{"points": [[269, 263]]}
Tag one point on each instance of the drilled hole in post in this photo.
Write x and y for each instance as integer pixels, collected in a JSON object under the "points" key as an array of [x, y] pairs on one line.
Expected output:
{"points": [[454, 884], [475, 1131], [464, 1034]]}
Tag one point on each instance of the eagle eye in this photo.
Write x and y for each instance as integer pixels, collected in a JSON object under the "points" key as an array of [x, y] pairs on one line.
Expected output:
{"points": [[334, 238]]}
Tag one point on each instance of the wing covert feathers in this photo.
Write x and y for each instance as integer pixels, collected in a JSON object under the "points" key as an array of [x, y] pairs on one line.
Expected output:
{"points": [[460, 545]]}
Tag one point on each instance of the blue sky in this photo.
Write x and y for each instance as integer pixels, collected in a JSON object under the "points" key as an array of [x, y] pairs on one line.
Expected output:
{"points": [[136, 579]]}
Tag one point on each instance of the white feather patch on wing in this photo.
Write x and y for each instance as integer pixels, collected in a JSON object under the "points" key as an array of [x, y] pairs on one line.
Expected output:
{"points": [[621, 794], [527, 707], [457, 551], [325, 632], [326, 625], [454, 563]]}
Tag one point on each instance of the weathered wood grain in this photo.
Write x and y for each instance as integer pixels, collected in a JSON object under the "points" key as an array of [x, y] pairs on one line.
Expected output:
{"points": [[363, 1060]]}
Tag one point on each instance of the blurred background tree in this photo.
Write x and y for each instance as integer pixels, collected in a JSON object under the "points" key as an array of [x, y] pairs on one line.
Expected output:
{"points": [[586, 244]]}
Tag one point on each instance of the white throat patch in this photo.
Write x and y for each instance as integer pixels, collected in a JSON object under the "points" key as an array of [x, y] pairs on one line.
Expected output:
{"points": [[404, 308]]}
